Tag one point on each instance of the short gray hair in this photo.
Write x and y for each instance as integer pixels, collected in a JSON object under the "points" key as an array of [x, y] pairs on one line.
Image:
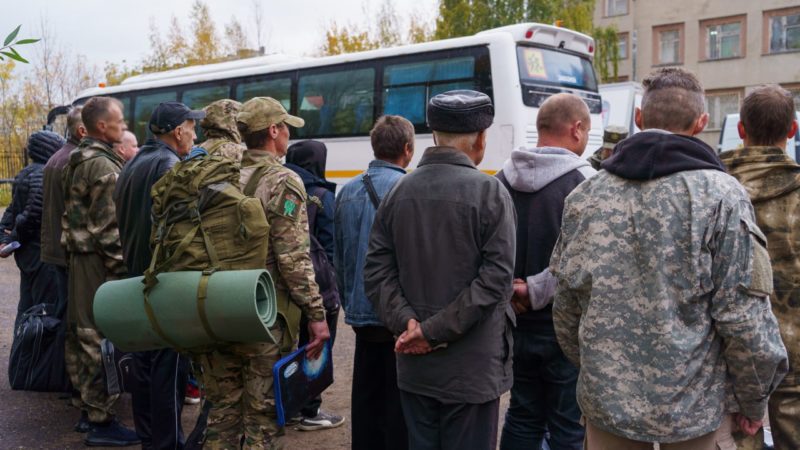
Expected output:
{"points": [[74, 120]]}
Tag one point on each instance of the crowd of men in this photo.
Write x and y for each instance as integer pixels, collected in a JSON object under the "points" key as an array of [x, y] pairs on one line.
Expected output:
{"points": [[650, 302]]}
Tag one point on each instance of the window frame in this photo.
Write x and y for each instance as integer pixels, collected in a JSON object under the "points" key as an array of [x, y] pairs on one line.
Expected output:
{"points": [[626, 37], [766, 35], [705, 39], [483, 79], [607, 12], [657, 31], [739, 92]]}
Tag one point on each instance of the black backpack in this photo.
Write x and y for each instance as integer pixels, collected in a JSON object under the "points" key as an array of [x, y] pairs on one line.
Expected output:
{"points": [[324, 272]]}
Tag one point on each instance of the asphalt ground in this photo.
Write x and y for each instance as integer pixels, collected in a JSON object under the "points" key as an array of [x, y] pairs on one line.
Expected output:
{"points": [[44, 420]]}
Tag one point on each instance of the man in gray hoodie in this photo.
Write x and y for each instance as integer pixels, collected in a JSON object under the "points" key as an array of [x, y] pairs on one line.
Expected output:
{"points": [[539, 179]]}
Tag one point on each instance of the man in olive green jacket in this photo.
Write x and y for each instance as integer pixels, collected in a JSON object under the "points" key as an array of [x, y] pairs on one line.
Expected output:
{"points": [[772, 180]]}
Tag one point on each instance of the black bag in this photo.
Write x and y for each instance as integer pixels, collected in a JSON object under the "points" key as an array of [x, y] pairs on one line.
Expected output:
{"points": [[118, 368], [37, 353], [324, 272]]}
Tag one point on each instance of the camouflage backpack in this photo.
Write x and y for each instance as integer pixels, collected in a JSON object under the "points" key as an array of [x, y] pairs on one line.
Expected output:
{"points": [[203, 221]]}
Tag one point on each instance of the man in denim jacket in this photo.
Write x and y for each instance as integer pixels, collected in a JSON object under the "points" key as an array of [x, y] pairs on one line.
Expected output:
{"points": [[376, 413]]}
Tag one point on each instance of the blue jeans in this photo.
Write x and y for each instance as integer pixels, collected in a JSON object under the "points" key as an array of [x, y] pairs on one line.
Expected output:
{"points": [[543, 396]]}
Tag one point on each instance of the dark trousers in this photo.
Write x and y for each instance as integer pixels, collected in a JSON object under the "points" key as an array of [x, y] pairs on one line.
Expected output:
{"points": [[377, 417], [543, 396], [433, 425], [160, 378], [312, 407], [37, 280]]}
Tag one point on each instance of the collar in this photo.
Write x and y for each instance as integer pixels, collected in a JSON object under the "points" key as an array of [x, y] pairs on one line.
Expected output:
{"points": [[252, 157], [163, 144], [445, 155], [376, 163]]}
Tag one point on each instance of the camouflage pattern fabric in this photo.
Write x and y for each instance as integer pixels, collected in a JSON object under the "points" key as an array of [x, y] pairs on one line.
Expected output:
{"points": [[596, 159], [90, 221], [239, 384], [91, 238], [772, 180], [662, 301], [284, 199], [82, 348], [220, 128]]}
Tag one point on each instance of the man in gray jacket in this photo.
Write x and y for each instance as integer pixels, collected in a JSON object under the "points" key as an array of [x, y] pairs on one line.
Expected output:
{"points": [[439, 274]]}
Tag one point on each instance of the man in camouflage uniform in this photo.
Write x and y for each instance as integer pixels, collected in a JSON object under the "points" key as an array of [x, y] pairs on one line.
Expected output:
{"points": [[219, 127], [663, 285], [91, 239], [239, 381], [772, 179], [612, 135]]}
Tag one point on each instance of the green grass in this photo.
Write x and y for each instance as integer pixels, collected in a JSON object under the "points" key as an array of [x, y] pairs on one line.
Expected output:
{"points": [[5, 195]]}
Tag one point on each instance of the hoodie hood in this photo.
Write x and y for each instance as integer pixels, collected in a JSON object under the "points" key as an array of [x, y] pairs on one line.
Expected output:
{"points": [[654, 154], [531, 169], [310, 155], [309, 179], [766, 172]]}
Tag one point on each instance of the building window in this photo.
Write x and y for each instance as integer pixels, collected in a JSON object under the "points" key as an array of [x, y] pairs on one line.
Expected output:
{"points": [[622, 45], [719, 105], [783, 30], [668, 43], [616, 7], [723, 38]]}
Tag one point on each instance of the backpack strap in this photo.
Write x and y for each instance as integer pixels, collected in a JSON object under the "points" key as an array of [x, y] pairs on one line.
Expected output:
{"points": [[252, 183], [317, 192], [373, 195]]}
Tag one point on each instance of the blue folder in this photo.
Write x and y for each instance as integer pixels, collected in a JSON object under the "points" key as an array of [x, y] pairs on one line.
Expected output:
{"points": [[299, 379]]}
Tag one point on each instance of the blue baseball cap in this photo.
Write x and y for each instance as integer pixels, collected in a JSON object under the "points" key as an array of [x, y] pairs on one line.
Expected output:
{"points": [[169, 115]]}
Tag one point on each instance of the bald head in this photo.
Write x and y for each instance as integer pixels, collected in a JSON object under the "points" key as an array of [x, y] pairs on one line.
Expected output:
{"points": [[564, 121], [127, 147]]}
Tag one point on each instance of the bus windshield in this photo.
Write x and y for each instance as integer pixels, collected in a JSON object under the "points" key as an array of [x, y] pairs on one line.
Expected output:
{"points": [[556, 68]]}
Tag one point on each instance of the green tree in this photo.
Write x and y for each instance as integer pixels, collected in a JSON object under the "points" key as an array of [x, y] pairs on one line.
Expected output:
{"points": [[606, 56]]}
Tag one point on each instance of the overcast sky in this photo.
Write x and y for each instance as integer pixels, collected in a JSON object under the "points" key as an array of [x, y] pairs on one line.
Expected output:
{"points": [[117, 30]]}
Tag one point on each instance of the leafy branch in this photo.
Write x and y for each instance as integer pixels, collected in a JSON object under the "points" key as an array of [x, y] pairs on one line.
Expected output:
{"points": [[8, 49]]}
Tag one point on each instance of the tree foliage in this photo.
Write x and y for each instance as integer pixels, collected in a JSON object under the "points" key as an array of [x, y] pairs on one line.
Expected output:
{"points": [[8, 50], [387, 32], [54, 77]]}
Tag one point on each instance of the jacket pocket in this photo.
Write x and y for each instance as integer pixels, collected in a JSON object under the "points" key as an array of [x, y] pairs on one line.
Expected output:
{"points": [[760, 283]]}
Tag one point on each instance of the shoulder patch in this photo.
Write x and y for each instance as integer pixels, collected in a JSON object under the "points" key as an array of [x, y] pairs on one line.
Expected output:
{"points": [[289, 199]]}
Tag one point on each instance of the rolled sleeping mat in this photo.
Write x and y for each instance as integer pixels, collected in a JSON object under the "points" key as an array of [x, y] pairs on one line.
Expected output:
{"points": [[238, 306]]}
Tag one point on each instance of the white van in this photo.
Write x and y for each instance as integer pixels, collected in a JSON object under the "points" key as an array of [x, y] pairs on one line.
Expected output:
{"points": [[729, 136], [619, 101]]}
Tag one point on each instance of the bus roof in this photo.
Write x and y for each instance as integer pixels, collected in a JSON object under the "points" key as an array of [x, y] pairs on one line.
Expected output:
{"points": [[535, 33]]}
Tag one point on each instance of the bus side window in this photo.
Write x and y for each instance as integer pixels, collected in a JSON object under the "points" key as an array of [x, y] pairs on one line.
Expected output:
{"points": [[280, 89], [126, 111], [143, 107], [336, 103], [199, 98], [408, 87]]}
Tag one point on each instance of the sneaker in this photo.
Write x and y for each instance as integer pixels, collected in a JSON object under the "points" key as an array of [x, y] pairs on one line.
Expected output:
{"points": [[111, 434], [296, 419], [83, 425], [321, 421], [192, 396]]}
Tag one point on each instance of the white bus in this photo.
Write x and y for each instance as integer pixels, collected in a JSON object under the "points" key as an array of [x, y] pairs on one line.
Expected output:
{"points": [[340, 97]]}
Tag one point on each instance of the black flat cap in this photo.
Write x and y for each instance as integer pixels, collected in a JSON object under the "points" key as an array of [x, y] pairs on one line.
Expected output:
{"points": [[169, 115], [460, 111]]}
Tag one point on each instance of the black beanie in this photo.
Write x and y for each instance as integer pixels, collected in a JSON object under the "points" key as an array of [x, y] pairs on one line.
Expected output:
{"points": [[460, 111], [42, 145]]}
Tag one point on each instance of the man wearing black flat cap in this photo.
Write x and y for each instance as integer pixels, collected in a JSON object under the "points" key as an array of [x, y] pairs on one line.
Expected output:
{"points": [[438, 272], [160, 375]]}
